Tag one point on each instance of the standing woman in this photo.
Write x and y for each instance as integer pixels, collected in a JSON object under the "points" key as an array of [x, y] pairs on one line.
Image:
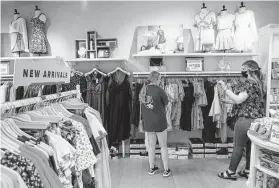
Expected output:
{"points": [[248, 100], [154, 101]]}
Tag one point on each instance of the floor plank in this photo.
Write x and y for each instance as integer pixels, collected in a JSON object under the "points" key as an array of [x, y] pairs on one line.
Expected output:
{"points": [[196, 173]]}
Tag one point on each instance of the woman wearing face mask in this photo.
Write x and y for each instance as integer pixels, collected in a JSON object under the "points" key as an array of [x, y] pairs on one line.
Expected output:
{"points": [[248, 100], [154, 101]]}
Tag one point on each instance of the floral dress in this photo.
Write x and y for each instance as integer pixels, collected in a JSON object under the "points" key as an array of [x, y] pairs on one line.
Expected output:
{"points": [[38, 43], [24, 167]]}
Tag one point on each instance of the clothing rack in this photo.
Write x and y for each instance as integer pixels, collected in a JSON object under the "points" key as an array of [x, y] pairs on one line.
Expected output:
{"points": [[192, 74], [25, 102], [7, 77]]}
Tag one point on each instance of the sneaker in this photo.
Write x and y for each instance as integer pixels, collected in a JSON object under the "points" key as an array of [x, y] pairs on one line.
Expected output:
{"points": [[167, 173], [153, 170]]}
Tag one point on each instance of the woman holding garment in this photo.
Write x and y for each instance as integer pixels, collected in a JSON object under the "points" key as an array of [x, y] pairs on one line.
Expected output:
{"points": [[153, 103], [248, 100]]}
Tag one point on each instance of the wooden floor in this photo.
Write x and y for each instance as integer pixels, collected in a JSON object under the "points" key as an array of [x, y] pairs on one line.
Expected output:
{"points": [[192, 173]]}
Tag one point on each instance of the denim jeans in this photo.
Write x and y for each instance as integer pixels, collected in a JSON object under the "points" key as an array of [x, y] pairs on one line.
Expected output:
{"points": [[240, 141]]}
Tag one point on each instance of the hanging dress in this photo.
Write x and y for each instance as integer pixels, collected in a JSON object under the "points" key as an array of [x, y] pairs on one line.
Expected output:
{"points": [[119, 109], [18, 33], [246, 30], [38, 42], [225, 37]]}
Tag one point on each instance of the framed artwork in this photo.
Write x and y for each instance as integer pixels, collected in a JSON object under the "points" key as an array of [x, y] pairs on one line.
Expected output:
{"points": [[4, 66], [81, 48], [160, 39]]}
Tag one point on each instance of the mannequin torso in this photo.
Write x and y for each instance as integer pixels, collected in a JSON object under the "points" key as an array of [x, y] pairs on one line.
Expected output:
{"points": [[16, 16]]}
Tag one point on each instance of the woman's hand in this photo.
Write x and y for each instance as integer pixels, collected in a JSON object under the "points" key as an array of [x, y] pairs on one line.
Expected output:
{"points": [[227, 101]]}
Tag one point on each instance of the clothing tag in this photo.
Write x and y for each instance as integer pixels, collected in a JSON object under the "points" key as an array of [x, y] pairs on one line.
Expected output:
{"points": [[97, 81]]}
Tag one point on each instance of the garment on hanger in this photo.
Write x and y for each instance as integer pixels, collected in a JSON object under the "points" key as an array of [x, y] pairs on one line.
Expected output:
{"points": [[38, 41], [225, 36], [208, 133], [24, 167], [200, 100], [186, 106], [246, 31], [119, 98], [18, 33], [96, 91]]}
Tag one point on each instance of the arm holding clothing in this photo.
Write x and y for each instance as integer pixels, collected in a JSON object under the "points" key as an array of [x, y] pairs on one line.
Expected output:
{"points": [[237, 99]]}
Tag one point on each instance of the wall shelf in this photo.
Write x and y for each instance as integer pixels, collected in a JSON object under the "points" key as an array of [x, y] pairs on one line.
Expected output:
{"points": [[197, 55], [203, 73], [95, 59], [31, 58]]}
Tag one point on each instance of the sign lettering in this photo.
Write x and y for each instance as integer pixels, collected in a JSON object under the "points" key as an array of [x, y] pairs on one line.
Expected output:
{"points": [[40, 71]]}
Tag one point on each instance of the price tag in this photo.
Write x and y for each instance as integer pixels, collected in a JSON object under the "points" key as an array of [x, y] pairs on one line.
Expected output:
{"points": [[194, 64], [274, 136]]}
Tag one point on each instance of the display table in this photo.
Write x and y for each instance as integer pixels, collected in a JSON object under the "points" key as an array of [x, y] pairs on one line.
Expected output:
{"points": [[258, 144]]}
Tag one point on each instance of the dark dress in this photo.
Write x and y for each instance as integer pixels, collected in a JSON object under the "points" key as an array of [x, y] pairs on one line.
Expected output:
{"points": [[136, 105], [208, 133], [119, 110], [186, 107], [96, 90]]}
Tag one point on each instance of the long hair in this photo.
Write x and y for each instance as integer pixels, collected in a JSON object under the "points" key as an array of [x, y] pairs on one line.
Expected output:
{"points": [[255, 72], [152, 77]]}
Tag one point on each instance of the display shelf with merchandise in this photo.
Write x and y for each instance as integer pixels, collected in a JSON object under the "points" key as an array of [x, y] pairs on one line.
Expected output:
{"points": [[257, 145], [268, 50], [197, 55]]}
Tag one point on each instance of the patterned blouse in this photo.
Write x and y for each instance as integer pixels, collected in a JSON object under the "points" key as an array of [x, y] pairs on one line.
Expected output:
{"points": [[24, 167], [252, 107]]}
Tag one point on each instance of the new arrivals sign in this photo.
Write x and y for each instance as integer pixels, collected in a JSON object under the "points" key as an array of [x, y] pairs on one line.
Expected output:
{"points": [[40, 71]]}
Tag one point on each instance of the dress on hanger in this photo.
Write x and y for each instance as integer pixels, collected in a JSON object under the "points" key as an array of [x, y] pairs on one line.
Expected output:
{"points": [[186, 107], [38, 40], [225, 37], [205, 35], [18, 33], [246, 30], [119, 109]]}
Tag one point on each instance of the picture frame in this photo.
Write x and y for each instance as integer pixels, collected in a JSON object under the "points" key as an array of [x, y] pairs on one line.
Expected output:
{"points": [[80, 43], [4, 67]]}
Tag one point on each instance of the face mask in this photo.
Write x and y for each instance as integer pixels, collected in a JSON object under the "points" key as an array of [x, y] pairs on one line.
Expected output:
{"points": [[244, 74]]}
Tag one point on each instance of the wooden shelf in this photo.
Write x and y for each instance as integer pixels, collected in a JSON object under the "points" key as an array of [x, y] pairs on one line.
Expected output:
{"points": [[96, 59], [263, 143], [269, 172], [197, 55]]}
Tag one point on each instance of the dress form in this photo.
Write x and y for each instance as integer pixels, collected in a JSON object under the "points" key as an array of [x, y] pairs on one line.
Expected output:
{"points": [[246, 35], [38, 43], [204, 22], [18, 34]]}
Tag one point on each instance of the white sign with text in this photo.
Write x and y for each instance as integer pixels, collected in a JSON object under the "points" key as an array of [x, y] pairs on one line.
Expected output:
{"points": [[40, 71]]}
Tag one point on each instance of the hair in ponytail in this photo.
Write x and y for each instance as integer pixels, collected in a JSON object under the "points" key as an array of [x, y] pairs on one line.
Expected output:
{"points": [[152, 77], [256, 74]]}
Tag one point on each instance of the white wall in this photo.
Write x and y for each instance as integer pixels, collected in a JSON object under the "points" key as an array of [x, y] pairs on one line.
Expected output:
{"points": [[69, 20]]}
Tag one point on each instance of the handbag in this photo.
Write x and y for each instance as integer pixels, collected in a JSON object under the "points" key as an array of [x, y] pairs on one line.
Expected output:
{"points": [[207, 36], [157, 64], [140, 127]]}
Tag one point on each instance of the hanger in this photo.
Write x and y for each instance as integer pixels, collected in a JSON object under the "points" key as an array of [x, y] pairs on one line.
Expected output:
{"points": [[95, 70], [224, 8], [242, 5], [16, 12], [37, 8], [203, 6], [119, 69]]}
